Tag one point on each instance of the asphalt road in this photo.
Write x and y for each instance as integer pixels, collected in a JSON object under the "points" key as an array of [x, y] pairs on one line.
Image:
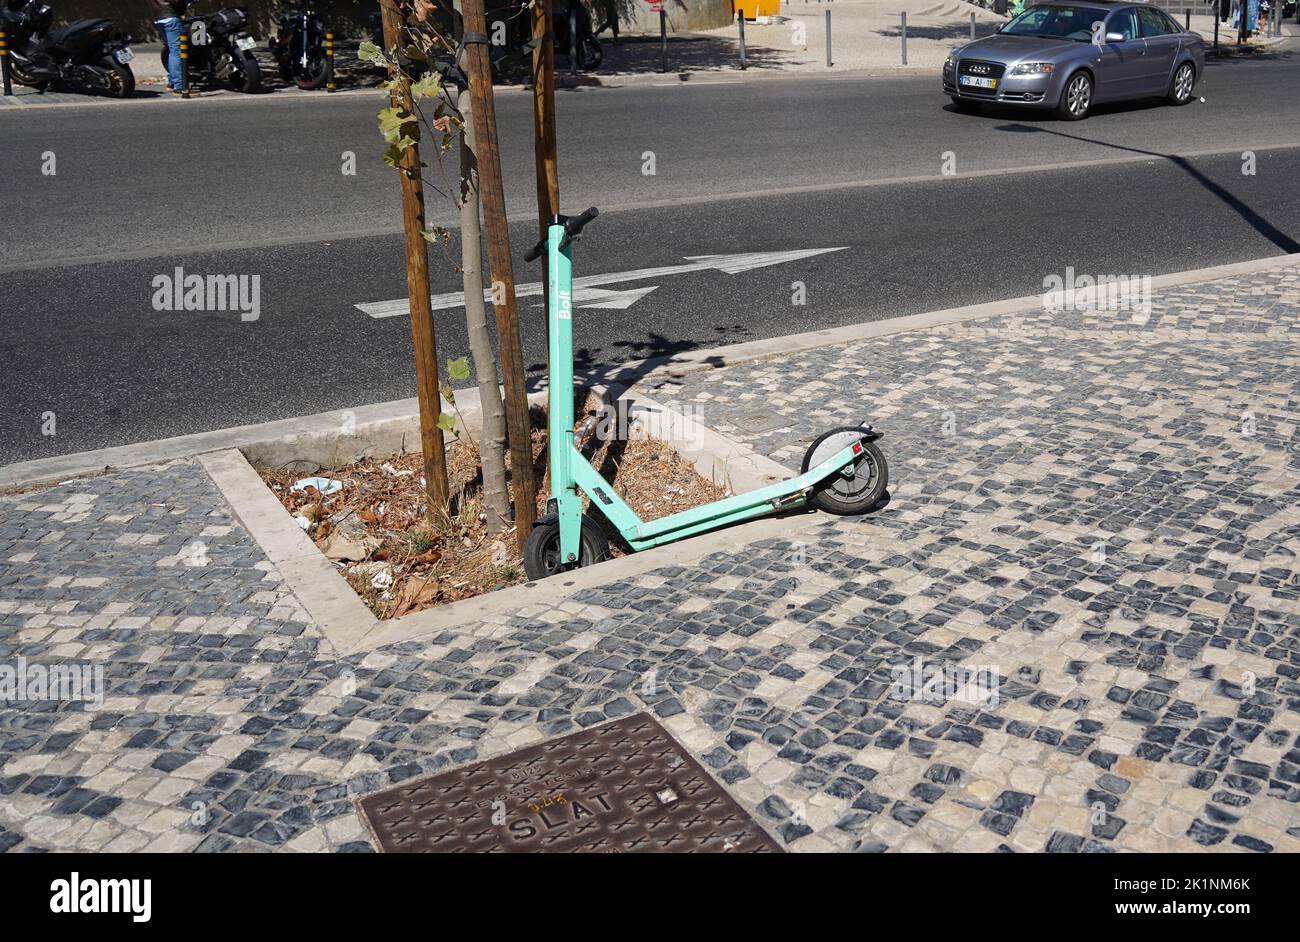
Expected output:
{"points": [[253, 187]]}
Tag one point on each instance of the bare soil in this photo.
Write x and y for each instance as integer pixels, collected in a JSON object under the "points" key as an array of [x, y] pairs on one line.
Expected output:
{"points": [[377, 531]]}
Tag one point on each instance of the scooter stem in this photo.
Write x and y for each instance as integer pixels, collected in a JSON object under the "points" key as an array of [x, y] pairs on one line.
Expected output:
{"points": [[559, 254]]}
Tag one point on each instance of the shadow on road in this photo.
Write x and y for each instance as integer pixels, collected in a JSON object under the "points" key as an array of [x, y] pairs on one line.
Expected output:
{"points": [[1249, 215], [592, 366]]}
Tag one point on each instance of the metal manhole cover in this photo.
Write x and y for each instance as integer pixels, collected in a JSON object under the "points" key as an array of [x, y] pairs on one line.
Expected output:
{"points": [[624, 786]]}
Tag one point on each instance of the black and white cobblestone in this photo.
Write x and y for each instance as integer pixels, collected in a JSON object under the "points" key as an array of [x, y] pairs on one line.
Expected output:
{"points": [[1102, 513]]}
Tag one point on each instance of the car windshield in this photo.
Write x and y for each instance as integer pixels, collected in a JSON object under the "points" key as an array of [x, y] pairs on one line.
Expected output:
{"points": [[1056, 21]]}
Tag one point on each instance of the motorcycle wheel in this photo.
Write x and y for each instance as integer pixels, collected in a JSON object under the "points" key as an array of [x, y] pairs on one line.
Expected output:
{"points": [[22, 78], [248, 77], [121, 80], [589, 54], [316, 72]]}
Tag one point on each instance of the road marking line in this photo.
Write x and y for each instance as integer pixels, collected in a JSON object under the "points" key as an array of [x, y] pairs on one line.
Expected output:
{"points": [[584, 296]]}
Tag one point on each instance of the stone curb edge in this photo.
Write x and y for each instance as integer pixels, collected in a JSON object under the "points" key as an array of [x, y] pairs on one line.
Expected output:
{"points": [[397, 418], [349, 627]]}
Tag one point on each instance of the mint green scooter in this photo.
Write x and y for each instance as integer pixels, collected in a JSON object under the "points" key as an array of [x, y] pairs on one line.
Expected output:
{"points": [[843, 471]]}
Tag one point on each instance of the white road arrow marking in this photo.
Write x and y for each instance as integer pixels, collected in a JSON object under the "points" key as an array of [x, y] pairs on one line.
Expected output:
{"points": [[615, 300], [583, 296]]}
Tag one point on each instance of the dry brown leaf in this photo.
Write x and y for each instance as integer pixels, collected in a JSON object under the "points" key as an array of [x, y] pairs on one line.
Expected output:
{"points": [[417, 592]]}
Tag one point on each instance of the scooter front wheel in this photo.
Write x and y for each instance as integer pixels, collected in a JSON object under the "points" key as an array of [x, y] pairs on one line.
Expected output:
{"points": [[846, 496], [542, 551]]}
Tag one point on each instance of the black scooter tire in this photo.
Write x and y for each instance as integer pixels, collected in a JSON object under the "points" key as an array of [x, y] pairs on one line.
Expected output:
{"points": [[836, 498], [541, 551]]}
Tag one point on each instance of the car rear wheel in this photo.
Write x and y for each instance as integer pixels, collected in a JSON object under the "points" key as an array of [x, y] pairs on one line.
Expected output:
{"points": [[1076, 97], [1180, 87]]}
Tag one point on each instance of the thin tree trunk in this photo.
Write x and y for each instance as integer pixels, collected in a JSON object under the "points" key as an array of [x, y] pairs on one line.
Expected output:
{"points": [[501, 270], [544, 157], [423, 339], [492, 443]]}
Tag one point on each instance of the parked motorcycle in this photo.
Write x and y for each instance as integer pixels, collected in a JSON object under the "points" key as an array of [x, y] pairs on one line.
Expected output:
{"points": [[299, 47], [221, 50], [91, 53], [575, 18]]}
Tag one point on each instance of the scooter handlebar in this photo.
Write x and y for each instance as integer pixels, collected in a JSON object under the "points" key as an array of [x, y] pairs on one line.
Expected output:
{"points": [[575, 225], [572, 227]]}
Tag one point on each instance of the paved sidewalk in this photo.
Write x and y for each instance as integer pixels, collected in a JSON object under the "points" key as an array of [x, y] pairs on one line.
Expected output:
{"points": [[1102, 512]]}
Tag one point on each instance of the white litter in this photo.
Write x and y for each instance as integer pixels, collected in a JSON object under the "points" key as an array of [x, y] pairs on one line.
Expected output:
{"points": [[323, 485]]}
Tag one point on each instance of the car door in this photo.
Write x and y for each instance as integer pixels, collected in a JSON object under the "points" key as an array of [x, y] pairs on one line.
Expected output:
{"points": [[1162, 37], [1121, 65]]}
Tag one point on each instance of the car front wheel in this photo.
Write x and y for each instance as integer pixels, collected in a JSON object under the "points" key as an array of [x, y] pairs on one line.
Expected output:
{"points": [[1180, 87], [1076, 98]]}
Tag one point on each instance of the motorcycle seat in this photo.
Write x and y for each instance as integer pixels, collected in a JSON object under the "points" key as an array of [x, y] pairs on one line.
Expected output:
{"points": [[57, 35]]}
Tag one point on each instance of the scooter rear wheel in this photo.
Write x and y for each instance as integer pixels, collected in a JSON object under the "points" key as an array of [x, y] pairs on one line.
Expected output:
{"points": [[859, 494], [542, 551]]}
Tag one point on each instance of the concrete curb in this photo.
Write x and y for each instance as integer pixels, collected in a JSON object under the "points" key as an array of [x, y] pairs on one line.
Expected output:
{"points": [[693, 360], [682, 79], [336, 610], [715, 457], [393, 422], [350, 627], [713, 454]]}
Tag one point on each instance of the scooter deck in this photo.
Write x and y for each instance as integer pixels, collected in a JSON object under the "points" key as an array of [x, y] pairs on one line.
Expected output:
{"points": [[640, 534]]}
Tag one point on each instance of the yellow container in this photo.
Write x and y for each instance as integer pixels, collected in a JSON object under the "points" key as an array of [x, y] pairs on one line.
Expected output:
{"points": [[752, 9]]}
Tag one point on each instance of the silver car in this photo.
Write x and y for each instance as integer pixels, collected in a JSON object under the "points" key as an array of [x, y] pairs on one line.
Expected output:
{"points": [[1071, 56]]}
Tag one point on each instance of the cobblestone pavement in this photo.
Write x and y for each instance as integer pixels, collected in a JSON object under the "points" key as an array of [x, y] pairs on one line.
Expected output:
{"points": [[1095, 517]]}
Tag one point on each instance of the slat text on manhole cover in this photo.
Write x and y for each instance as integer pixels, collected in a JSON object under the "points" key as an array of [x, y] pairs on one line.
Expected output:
{"points": [[624, 786]]}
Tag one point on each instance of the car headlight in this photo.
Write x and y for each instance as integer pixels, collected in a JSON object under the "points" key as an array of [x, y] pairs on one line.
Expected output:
{"points": [[1032, 68]]}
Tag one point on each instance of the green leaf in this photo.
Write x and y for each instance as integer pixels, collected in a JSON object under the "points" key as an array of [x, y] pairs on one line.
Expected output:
{"points": [[446, 422], [369, 52], [458, 369], [436, 234], [395, 124], [428, 86], [393, 155]]}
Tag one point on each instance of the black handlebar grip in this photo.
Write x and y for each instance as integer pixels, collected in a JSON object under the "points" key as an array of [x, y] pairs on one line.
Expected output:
{"points": [[574, 226], [535, 252]]}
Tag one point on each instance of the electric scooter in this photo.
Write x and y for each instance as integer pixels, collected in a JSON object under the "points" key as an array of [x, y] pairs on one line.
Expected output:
{"points": [[843, 471]]}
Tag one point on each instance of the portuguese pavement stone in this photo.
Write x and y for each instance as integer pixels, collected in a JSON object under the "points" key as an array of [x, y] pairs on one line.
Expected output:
{"points": [[1075, 628]]}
